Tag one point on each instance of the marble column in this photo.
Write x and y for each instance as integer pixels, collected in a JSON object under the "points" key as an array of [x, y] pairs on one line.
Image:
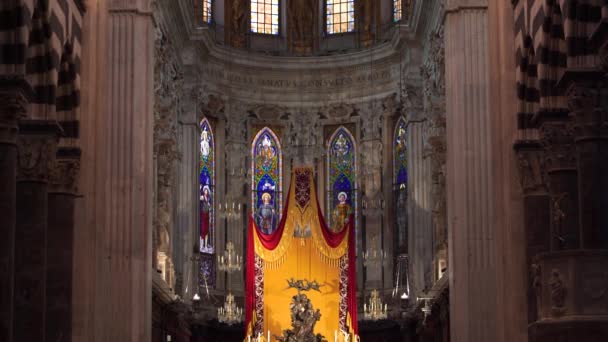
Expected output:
{"points": [[123, 299], [187, 233], [419, 210], [13, 106], [60, 244], [470, 175], [37, 145]]}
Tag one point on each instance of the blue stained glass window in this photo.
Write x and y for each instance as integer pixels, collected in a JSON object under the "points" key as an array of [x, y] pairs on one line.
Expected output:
{"points": [[266, 180], [206, 186], [400, 151], [341, 178]]}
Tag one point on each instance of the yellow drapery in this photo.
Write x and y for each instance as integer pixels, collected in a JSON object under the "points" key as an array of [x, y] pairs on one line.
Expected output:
{"points": [[307, 258]]}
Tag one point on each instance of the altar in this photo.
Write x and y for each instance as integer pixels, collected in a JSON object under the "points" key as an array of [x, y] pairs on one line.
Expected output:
{"points": [[301, 256]]}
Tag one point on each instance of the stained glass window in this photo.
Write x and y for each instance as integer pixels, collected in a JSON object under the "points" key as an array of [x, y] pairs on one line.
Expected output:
{"points": [[265, 16], [207, 14], [206, 186], [341, 181], [266, 180], [397, 10], [400, 148], [339, 16], [400, 181]]}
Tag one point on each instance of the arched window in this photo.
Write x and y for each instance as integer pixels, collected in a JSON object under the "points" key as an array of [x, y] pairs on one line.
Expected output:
{"points": [[266, 180], [341, 178], [339, 16], [400, 180], [265, 16], [397, 10], [206, 187], [207, 11]]}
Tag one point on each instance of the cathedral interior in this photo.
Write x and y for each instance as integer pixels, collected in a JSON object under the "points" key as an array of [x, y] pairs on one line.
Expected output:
{"points": [[149, 150]]}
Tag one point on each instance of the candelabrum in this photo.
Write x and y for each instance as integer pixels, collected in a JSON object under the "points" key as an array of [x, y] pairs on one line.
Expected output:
{"points": [[230, 313], [426, 309], [402, 283], [231, 261], [374, 256], [374, 310], [231, 211]]}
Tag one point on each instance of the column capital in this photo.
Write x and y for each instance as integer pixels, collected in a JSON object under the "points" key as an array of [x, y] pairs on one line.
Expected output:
{"points": [[459, 5], [36, 146], [64, 173], [557, 139]]}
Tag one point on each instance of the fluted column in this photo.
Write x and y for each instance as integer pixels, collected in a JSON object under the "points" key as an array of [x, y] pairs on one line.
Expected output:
{"points": [[60, 244], [124, 231], [37, 145], [470, 177], [13, 106], [420, 216], [187, 213]]}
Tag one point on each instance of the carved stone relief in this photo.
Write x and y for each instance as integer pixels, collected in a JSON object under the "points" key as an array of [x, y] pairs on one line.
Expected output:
{"points": [[531, 172], [433, 73], [168, 94]]}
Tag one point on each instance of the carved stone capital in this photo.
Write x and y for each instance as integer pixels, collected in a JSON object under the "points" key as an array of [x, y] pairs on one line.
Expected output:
{"points": [[36, 156], [557, 139], [64, 174]]}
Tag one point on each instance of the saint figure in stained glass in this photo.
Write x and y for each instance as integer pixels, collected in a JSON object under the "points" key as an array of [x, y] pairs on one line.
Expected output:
{"points": [[266, 180], [341, 213], [206, 186], [341, 198]]}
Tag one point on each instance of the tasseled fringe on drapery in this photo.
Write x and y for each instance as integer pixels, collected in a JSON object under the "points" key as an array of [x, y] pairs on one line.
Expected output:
{"points": [[275, 264]]}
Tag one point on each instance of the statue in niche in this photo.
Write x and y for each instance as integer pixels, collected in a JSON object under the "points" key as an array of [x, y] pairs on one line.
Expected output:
{"points": [[301, 16], [366, 12], [205, 217], [341, 213], [303, 315], [238, 22], [558, 293], [265, 215]]}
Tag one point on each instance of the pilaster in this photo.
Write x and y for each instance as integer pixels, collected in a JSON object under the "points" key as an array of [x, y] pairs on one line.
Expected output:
{"points": [[470, 175]]}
